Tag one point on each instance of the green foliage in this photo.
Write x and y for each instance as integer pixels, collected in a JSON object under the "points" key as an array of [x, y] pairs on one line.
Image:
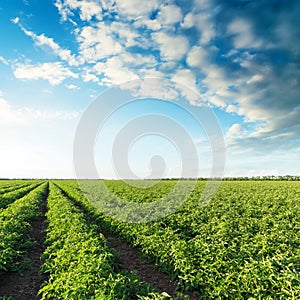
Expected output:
{"points": [[15, 225], [244, 244], [12, 186], [78, 261], [15, 192]]}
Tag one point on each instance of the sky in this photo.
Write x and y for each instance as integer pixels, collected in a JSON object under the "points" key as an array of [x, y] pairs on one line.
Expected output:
{"points": [[240, 58]]}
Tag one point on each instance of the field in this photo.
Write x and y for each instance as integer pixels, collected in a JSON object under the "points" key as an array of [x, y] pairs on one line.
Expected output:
{"points": [[55, 241]]}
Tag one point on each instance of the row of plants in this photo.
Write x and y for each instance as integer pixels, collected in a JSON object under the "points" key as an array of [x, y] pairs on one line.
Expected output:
{"points": [[12, 185], [15, 227], [78, 261], [245, 243], [16, 193]]}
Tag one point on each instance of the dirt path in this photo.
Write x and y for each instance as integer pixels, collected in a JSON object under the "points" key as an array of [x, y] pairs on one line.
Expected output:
{"points": [[26, 286], [131, 260]]}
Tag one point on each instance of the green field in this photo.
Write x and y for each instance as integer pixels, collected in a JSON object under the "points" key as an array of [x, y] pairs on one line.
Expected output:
{"points": [[243, 244]]}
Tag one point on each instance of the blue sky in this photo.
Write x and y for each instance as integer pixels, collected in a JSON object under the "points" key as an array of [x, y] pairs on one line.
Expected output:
{"points": [[240, 56]]}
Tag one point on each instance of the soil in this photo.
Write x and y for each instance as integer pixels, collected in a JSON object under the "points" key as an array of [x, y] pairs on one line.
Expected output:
{"points": [[25, 286], [130, 259]]}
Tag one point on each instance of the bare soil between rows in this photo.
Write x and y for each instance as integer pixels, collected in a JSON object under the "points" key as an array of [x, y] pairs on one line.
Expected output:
{"points": [[130, 259], [25, 286]]}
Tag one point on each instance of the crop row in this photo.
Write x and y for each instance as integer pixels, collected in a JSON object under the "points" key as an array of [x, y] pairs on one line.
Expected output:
{"points": [[78, 261], [245, 243], [17, 193], [13, 185], [15, 226], [9, 183]]}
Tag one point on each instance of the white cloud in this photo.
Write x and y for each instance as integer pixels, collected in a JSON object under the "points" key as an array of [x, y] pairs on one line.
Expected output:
{"points": [[255, 78], [171, 47], [150, 24], [232, 108], [72, 86], [55, 73], [136, 8], [217, 82], [234, 131], [97, 43], [88, 76], [253, 85], [156, 87], [137, 59], [185, 81], [203, 21], [15, 20], [185, 77], [126, 33], [4, 61], [197, 57], [10, 115], [47, 91], [243, 34], [169, 14], [114, 71], [64, 54], [87, 9]]}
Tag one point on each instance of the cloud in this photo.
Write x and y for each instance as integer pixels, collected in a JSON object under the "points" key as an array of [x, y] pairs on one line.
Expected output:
{"points": [[44, 41], [72, 86], [243, 35], [96, 43], [4, 61], [88, 76], [55, 73], [169, 15], [241, 56], [150, 24], [7, 115], [15, 20], [186, 78], [171, 47], [87, 9], [113, 71], [204, 24], [236, 131], [197, 57], [10, 115], [136, 8], [42, 115]]}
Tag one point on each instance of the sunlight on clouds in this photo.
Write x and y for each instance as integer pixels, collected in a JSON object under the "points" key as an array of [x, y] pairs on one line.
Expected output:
{"points": [[97, 43], [241, 59], [55, 73], [169, 14], [136, 8], [197, 57], [87, 9], [64, 54], [171, 47], [114, 71]]}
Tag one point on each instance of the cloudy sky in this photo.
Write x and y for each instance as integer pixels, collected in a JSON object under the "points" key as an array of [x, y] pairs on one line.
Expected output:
{"points": [[241, 57]]}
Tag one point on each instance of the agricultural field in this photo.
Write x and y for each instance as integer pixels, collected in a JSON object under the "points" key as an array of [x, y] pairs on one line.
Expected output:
{"points": [[58, 241]]}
